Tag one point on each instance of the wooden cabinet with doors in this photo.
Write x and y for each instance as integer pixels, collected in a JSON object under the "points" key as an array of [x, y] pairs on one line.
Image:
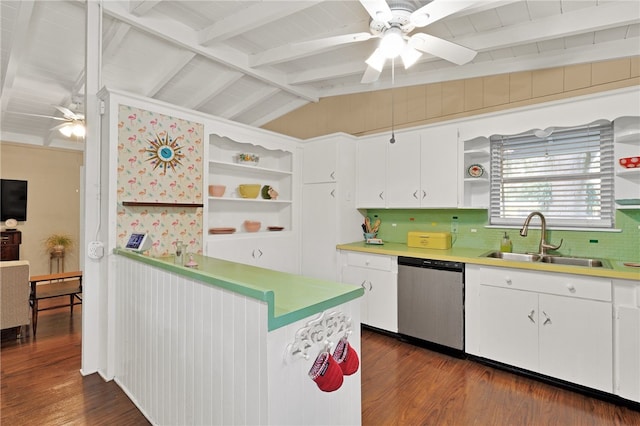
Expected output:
{"points": [[419, 170], [558, 325], [626, 349], [329, 215], [378, 276]]}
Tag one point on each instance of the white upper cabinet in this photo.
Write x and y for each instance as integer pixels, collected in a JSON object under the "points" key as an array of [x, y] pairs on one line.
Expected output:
{"points": [[403, 171], [371, 171], [419, 170], [439, 167], [319, 163]]}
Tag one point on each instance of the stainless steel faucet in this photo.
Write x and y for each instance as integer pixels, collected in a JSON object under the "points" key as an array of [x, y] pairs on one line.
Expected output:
{"points": [[542, 249]]}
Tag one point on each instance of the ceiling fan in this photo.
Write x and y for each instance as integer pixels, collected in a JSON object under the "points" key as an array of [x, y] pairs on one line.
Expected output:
{"points": [[73, 122], [393, 22]]}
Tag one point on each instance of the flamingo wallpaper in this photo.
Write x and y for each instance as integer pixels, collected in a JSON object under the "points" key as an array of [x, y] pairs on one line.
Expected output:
{"points": [[160, 161]]}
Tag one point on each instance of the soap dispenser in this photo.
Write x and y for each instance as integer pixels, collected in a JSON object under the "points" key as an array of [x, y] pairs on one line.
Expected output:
{"points": [[505, 245]]}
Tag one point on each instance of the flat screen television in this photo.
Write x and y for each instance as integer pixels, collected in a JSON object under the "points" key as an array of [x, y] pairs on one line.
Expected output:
{"points": [[13, 195]]}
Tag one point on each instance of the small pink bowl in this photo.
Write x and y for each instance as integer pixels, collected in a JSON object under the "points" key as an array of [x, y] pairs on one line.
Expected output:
{"points": [[630, 162], [251, 226], [217, 190]]}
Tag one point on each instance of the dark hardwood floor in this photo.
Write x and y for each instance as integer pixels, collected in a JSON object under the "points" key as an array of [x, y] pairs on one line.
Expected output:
{"points": [[41, 382], [401, 384]]}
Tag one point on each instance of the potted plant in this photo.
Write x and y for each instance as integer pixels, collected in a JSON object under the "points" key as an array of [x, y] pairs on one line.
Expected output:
{"points": [[56, 244]]}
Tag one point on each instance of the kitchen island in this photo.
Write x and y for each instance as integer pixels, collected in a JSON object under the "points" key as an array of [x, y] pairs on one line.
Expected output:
{"points": [[226, 343]]}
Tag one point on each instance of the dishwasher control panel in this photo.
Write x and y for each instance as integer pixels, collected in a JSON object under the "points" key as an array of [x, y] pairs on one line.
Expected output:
{"points": [[445, 265]]}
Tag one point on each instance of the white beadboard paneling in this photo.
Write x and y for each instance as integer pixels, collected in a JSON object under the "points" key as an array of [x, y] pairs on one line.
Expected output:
{"points": [[295, 399], [191, 353]]}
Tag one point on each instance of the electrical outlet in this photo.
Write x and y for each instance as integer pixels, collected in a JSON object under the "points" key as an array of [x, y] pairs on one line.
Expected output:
{"points": [[95, 250], [454, 225]]}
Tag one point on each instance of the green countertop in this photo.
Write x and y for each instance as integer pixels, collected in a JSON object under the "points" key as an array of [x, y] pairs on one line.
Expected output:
{"points": [[475, 256], [289, 297]]}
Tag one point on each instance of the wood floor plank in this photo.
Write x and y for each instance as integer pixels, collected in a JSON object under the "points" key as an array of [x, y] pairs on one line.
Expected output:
{"points": [[402, 384]]}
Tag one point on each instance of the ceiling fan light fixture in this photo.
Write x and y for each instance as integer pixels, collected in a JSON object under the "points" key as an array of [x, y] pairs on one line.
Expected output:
{"points": [[392, 43], [75, 129], [409, 56], [376, 60]]}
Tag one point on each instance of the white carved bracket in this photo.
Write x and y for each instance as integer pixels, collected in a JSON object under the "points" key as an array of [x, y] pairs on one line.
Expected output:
{"points": [[320, 330]]}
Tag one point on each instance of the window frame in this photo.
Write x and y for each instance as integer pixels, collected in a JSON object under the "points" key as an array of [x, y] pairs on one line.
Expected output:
{"points": [[559, 178]]}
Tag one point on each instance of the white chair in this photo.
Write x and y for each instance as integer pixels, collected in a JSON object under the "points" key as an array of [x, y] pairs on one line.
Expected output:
{"points": [[14, 294]]}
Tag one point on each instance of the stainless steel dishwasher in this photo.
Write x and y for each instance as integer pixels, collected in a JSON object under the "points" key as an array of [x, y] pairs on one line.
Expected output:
{"points": [[431, 301]]}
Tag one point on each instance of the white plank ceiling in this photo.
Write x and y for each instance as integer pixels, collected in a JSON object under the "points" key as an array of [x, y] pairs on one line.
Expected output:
{"points": [[243, 60]]}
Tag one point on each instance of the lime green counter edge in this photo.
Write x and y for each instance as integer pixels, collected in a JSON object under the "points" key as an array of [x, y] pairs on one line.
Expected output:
{"points": [[475, 256], [336, 295]]}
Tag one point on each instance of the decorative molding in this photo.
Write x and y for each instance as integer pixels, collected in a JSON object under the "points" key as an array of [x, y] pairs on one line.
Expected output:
{"points": [[319, 330]]}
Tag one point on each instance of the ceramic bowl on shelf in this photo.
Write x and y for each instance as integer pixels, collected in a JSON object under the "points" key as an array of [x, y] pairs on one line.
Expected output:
{"points": [[247, 158], [249, 190], [251, 225], [217, 190], [630, 162]]}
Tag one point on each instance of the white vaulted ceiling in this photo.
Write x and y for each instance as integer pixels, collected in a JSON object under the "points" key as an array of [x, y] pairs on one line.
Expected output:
{"points": [[239, 59]]}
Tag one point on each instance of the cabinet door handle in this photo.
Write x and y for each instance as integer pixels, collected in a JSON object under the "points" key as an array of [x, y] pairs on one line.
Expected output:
{"points": [[415, 194], [333, 193], [257, 254], [380, 195], [547, 318], [424, 194], [530, 316], [333, 175], [571, 288], [370, 286]]}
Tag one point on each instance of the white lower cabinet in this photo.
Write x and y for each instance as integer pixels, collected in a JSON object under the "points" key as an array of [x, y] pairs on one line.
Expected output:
{"points": [[378, 275], [558, 325], [276, 253], [626, 348]]}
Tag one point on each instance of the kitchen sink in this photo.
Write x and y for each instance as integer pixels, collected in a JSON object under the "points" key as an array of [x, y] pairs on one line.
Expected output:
{"points": [[576, 261], [554, 259], [519, 257]]}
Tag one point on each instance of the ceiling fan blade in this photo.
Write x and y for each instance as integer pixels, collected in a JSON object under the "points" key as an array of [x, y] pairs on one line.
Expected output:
{"points": [[44, 116], [68, 113], [305, 48], [444, 49], [322, 43], [437, 10], [378, 10], [370, 75]]}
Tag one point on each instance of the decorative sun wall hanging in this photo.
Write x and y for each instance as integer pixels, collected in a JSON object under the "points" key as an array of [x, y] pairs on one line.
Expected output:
{"points": [[164, 152]]}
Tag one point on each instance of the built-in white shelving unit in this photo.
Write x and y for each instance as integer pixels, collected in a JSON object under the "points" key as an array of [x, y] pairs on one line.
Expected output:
{"points": [[627, 144]]}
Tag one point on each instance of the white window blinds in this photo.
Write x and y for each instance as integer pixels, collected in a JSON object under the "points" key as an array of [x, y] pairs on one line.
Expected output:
{"points": [[567, 175]]}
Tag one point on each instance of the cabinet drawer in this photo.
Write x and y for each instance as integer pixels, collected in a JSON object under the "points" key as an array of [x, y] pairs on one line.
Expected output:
{"points": [[372, 261], [543, 282]]}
